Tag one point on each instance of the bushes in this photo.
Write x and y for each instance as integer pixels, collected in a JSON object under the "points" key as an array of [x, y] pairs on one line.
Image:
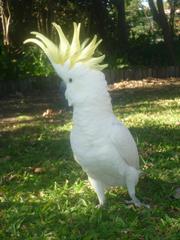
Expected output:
{"points": [[142, 52], [19, 65], [33, 62], [22, 63], [29, 61]]}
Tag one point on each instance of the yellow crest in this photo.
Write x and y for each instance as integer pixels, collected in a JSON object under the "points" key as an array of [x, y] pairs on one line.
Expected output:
{"points": [[75, 52]]}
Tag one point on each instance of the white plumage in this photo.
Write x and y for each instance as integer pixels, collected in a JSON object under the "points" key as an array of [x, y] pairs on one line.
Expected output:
{"points": [[101, 144]]}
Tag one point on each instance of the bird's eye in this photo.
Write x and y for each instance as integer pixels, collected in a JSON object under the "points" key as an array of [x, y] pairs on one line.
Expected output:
{"points": [[70, 80]]}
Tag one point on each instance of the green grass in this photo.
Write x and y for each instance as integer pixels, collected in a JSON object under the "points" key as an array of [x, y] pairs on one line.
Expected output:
{"points": [[45, 195]]}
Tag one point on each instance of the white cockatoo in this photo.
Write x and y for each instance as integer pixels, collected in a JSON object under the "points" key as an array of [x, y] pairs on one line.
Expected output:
{"points": [[101, 144]]}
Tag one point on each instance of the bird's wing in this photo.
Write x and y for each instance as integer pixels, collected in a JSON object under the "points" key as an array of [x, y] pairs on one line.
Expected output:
{"points": [[122, 139]]}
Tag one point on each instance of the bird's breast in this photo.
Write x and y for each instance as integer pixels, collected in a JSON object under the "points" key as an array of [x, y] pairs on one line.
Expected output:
{"points": [[98, 157]]}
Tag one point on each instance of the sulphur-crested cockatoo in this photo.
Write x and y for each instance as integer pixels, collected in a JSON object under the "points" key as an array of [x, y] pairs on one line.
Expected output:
{"points": [[101, 144]]}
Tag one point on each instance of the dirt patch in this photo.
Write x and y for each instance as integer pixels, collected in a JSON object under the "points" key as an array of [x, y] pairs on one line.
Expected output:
{"points": [[145, 83]]}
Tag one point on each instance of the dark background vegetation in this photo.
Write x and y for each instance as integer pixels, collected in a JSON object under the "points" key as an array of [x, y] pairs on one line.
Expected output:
{"points": [[134, 32], [44, 193]]}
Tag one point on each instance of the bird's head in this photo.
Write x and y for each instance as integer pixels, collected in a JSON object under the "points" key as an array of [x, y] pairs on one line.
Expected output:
{"points": [[74, 62]]}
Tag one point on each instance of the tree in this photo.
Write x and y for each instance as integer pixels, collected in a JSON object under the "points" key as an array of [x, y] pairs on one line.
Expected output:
{"points": [[122, 26], [99, 21], [5, 15], [173, 4], [160, 18]]}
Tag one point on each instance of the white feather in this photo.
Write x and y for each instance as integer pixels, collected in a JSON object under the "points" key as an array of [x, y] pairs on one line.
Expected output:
{"points": [[101, 144]]}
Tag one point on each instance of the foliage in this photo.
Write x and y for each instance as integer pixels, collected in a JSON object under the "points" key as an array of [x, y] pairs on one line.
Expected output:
{"points": [[122, 36], [44, 194], [28, 62], [142, 52], [34, 63]]}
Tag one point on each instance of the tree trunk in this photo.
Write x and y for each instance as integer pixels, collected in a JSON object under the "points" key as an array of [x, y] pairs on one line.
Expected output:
{"points": [[98, 21], [172, 4], [122, 26], [5, 16], [161, 19]]}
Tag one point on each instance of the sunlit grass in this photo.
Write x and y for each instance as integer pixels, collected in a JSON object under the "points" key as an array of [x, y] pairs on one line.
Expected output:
{"points": [[44, 194]]}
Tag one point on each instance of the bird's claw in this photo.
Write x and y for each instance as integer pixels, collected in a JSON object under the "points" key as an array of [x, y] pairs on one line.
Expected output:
{"points": [[137, 203], [100, 205]]}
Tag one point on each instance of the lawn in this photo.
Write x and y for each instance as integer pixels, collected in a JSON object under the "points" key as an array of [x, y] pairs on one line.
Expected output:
{"points": [[45, 195]]}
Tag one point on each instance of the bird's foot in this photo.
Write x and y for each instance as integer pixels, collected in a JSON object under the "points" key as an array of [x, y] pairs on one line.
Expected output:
{"points": [[99, 206], [137, 203]]}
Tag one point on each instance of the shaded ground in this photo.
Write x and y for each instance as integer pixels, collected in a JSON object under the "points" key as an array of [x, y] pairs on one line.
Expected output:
{"points": [[39, 102], [145, 84]]}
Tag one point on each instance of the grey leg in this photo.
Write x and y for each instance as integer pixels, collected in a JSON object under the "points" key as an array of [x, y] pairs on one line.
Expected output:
{"points": [[99, 188], [131, 181]]}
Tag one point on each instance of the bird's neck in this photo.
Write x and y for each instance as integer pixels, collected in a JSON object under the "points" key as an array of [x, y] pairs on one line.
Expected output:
{"points": [[93, 113]]}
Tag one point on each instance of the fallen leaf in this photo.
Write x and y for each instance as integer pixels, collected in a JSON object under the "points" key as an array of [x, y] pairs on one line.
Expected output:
{"points": [[147, 165], [41, 194], [39, 170], [177, 123], [12, 177], [48, 113]]}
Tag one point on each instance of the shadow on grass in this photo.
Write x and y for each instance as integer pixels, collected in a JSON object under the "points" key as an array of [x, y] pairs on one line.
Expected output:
{"points": [[60, 119], [31, 105], [63, 218], [32, 147], [125, 96], [157, 191], [157, 135]]}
